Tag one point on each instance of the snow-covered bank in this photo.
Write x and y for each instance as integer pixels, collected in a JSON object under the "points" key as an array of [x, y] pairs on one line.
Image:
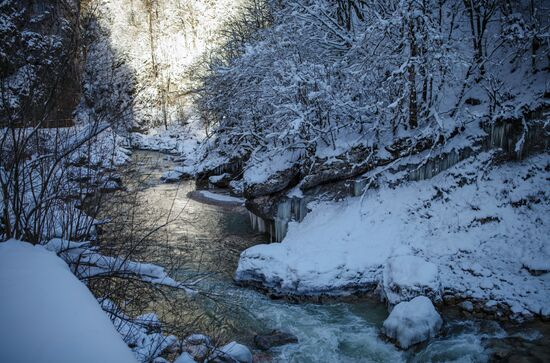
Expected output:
{"points": [[482, 226], [176, 139], [48, 315], [216, 198]]}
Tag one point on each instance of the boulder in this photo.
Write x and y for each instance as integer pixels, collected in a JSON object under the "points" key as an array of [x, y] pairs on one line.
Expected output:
{"points": [[412, 322], [233, 353], [274, 339], [198, 346], [185, 358]]}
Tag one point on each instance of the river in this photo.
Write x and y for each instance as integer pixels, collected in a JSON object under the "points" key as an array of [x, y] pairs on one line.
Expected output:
{"points": [[208, 238]]}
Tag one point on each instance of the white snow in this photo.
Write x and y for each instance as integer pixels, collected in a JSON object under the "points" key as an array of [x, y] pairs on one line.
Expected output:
{"points": [[86, 261], [408, 276], [143, 333], [221, 197], [471, 221], [412, 322], [269, 165], [184, 358], [216, 178], [237, 352], [48, 315]]}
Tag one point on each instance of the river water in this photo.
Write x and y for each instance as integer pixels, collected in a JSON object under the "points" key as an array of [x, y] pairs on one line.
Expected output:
{"points": [[209, 238]]}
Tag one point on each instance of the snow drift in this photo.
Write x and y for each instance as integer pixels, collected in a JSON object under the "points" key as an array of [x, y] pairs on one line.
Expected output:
{"points": [[48, 315]]}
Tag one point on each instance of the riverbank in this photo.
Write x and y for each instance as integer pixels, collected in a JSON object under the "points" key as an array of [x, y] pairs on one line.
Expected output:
{"points": [[211, 237], [459, 238]]}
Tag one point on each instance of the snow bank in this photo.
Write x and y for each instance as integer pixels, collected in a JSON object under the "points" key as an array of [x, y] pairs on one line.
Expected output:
{"points": [[143, 333], [86, 262], [412, 322], [474, 221], [48, 315], [408, 276]]}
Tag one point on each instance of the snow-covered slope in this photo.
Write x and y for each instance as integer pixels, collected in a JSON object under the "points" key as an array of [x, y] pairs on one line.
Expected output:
{"points": [[342, 86], [48, 315], [481, 228]]}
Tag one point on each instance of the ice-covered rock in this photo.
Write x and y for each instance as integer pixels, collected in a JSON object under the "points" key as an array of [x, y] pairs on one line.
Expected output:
{"points": [[185, 358], [236, 187], [271, 175], [412, 322], [406, 277], [234, 352], [220, 181]]}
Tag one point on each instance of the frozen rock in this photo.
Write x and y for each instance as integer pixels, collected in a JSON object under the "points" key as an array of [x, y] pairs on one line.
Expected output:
{"points": [[185, 358], [406, 277], [467, 305], [171, 176], [412, 322], [220, 181], [236, 187], [234, 352], [198, 346]]}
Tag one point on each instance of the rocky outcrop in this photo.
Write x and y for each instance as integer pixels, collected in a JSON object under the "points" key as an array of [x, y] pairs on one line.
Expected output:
{"points": [[277, 182]]}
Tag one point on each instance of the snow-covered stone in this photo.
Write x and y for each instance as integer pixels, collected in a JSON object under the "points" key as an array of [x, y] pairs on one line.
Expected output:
{"points": [[235, 352], [198, 346], [220, 181], [467, 305], [412, 322], [185, 358], [236, 187], [406, 277]]}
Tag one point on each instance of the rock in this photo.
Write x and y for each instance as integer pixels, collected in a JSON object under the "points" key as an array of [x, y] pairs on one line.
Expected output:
{"points": [[198, 346], [472, 101], [198, 339], [354, 162], [277, 181], [274, 339], [236, 187], [406, 277], [234, 352], [467, 306], [220, 181], [412, 322], [172, 176], [185, 358]]}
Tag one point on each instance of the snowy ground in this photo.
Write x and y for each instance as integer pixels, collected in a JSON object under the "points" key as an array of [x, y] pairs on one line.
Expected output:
{"points": [[176, 139], [478, 231], [48, 315]]}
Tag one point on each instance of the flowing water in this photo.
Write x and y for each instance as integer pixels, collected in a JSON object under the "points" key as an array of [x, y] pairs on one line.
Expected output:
{"points": [[209, 239]]}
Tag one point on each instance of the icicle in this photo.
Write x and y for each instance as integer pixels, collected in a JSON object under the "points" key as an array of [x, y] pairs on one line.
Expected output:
{"points": [[258, 224], [358, 187]]}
